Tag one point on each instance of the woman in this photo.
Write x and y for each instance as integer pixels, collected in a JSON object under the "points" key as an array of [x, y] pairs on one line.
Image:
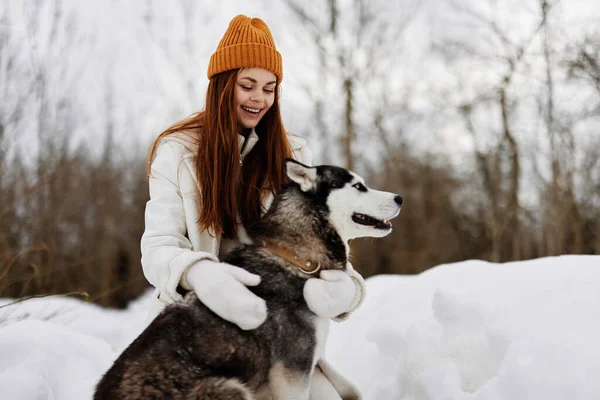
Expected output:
{"points": [[216, 172]]}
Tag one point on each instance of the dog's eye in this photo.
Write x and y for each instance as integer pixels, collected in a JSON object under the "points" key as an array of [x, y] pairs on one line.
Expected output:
{"points": [[360, 187]]}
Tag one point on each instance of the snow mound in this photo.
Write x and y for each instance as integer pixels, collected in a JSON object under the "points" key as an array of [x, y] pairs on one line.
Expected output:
{"points": [[42, 360], [466, 331], [477, 330]]}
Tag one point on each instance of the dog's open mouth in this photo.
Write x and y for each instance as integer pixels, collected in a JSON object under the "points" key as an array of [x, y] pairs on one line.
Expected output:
{"points": [[367, 220]]}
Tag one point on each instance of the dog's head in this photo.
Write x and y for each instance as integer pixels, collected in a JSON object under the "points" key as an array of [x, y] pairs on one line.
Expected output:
{"points": [[353, 209]]}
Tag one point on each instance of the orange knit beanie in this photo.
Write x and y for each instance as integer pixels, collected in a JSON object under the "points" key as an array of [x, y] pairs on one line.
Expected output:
{"points": [[247, 43]]}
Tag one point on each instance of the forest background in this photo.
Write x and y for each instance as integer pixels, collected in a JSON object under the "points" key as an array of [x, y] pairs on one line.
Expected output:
{"points": [[483, 115]]}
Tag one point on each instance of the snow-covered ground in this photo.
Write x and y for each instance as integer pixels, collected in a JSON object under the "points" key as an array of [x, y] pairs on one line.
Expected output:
{"points": [[470, 330]]}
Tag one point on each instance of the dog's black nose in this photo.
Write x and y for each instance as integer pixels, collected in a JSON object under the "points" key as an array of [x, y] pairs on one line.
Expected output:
{"points": [[398, 200]]}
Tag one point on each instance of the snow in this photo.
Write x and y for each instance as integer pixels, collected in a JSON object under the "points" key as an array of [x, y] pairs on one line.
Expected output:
{"points": [[468, 330]]}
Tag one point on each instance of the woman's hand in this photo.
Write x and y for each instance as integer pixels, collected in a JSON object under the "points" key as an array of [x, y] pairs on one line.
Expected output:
{"points": [[331, 295], [222, 288]]}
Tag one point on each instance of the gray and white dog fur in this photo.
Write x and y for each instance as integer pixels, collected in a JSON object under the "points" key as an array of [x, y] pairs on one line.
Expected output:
{"points": [[188, 352]]}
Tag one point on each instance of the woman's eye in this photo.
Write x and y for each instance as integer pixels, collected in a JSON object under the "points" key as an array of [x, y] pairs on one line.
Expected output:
{"points": [[268, 90], [246, 87]]}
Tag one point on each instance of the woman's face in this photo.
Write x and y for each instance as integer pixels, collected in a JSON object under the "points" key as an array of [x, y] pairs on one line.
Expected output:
{"points": [[254, 95]]}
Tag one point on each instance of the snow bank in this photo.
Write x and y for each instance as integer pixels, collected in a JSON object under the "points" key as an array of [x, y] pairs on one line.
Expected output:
{"points": [[476, 330], [471, 330]]}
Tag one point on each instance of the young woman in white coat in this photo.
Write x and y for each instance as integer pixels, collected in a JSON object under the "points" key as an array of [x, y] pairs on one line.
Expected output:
{"points": [[216, 172]]}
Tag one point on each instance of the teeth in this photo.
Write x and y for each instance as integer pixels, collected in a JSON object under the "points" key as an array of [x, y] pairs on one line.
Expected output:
{"points": [[252, 110]]}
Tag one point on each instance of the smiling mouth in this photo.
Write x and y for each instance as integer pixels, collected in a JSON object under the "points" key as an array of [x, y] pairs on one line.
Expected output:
{"points": [[367, 220], [253, 111]]}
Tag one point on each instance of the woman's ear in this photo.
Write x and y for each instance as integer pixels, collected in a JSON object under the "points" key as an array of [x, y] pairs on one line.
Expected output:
{"points": [[303, 175]]}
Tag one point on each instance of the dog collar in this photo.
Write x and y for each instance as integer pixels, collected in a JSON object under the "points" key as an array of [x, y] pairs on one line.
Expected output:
{"points": [[305, 265]]}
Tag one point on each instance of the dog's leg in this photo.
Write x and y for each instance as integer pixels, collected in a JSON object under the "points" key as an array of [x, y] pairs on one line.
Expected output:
{"points": [[220, 389], [287, 384]]}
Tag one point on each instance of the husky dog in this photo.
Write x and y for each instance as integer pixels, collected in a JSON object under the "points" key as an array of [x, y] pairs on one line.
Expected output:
{"points": [[188, 352]]}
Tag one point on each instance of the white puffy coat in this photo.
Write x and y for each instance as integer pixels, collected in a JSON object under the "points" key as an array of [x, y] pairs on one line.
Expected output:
{"points": [[172, 241]]}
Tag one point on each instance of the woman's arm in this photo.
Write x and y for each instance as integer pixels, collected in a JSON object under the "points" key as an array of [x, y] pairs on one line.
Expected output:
{"points": [[168, 259], [359, 295], [166, 251]]}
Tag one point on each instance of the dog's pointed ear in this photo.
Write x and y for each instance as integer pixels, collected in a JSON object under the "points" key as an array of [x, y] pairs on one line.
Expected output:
{"points": [[303, 175]]}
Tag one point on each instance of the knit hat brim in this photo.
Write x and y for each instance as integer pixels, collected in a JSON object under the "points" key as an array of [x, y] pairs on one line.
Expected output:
{"points": [[246, 55]]}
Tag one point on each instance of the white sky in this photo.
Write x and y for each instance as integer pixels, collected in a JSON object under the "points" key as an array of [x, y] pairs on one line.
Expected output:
{"points": [[140, 56], [113, 42]]}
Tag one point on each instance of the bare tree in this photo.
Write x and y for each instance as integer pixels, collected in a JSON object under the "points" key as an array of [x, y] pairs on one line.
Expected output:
{"points": [[585, 64], [562, 221], [583, 67], [356, 45], [186, 57], [497, 153], [62, 208]]}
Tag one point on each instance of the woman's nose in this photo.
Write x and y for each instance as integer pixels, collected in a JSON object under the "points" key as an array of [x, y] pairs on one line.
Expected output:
{"points": [[256, 97]]}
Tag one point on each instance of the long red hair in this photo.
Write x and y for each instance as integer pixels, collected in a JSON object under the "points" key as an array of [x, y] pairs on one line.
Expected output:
{"points": [[227, 190]]}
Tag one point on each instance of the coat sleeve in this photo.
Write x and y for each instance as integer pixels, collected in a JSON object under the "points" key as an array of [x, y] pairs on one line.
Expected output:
{"points": [[305, 156], [300, 150], [359, 296], [166, 251]]}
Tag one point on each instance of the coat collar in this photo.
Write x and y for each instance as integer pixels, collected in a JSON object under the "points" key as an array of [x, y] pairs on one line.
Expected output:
{"points": [[252, 140], [296, 142]]}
